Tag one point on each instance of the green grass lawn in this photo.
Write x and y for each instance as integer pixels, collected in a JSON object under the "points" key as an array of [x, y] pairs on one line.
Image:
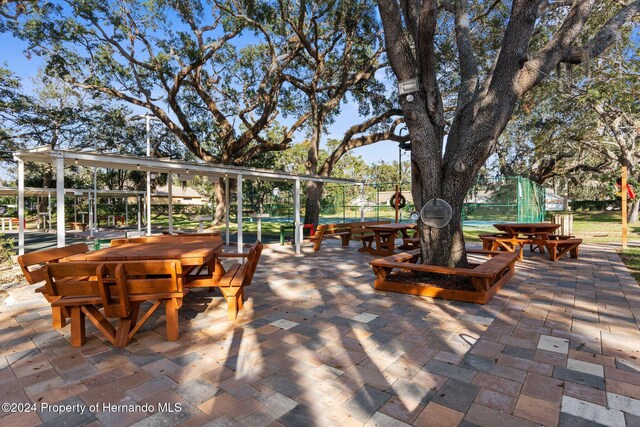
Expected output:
{"points": [[592, 226], [631, 258], [601, 227]]}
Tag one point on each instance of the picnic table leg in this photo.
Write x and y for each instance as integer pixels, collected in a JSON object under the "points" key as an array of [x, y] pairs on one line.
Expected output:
{"points": [[171, 309], [391, 241], [78, 337], [58, 318], [232, 293]]}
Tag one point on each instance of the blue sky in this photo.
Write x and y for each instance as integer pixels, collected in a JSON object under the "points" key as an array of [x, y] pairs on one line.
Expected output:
{"points": [[13, 57]]}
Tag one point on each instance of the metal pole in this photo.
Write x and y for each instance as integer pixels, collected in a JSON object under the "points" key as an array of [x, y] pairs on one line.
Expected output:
{"points": [[623, 185], [296, 204], [170, 195], [20, 207], [239, 197], [228, 208], [60, 220]]}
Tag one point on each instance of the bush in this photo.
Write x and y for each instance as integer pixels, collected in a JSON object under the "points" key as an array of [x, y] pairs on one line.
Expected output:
{"points": [[594, 205], [6, 248]]}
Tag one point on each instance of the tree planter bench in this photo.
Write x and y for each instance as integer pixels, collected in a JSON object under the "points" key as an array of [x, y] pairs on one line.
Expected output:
{"points": [[486, 279]]}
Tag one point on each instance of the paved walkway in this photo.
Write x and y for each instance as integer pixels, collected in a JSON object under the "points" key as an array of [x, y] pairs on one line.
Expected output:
{"points": [[316, 345]]}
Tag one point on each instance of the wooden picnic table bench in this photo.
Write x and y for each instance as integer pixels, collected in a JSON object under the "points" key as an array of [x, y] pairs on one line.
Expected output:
{"points": [[410, 243], [360, 231], [558, 245], [82, 226], [169, 238], [119, 289], [504, 242], [486, 278], [232, 280], [32, 264], [346, 231], [340, 230]]}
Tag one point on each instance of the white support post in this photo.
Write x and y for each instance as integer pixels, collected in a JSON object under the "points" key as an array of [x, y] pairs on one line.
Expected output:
{"points": [[75, 209], [139, 213], [362, 202], [95, 198], [20, 207], [148, 203], [91, 217], [239, 197], [228, 209], [297, 229], [48, 227], [126, 211], [170, 196], [60, 220]]}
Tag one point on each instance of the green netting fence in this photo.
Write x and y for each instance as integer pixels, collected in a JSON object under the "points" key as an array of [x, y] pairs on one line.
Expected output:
{"points": [[511, 199]]}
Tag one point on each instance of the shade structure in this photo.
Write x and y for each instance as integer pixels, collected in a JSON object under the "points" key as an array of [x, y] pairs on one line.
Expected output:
{"points": [[62, 158]]}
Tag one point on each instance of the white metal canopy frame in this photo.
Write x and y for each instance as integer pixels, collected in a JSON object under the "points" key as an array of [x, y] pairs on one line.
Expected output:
{"points": [[62, 158]]}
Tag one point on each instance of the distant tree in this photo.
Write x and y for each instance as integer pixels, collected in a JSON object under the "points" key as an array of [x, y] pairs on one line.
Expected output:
{"points": [[212, 73]]}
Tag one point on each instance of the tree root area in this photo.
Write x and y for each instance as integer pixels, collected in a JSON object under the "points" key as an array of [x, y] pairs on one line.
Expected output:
{"points": [[443, 281]]}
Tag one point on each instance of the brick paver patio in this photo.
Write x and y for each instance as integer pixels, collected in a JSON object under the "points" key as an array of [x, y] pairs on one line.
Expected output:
{"points": [[316, 345]]}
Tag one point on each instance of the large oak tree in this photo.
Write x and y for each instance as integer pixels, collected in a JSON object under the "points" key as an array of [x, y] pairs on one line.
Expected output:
{"points": [[503, 51]]}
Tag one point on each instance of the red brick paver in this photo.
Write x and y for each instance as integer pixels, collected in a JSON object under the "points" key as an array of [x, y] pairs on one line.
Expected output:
{"points": [[316, 345]]}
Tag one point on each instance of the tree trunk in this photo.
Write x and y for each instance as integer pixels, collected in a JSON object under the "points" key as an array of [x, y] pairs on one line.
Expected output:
{"points": [[221, 203], [46, 183], [632, 215], [313, 192]]}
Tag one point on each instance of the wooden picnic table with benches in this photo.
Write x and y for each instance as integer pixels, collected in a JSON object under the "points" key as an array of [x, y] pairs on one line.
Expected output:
{"points": [[514, 236], [385, 236], [74, 285], [346, 231]]}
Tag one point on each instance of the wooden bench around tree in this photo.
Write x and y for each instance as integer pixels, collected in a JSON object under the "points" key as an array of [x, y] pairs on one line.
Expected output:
{"points": [[558, 245], [486, 278], [32, 264], [231, 280], [120, 289]]}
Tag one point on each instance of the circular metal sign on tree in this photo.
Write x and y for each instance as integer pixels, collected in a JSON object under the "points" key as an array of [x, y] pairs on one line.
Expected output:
{"points": [[436, 213]]}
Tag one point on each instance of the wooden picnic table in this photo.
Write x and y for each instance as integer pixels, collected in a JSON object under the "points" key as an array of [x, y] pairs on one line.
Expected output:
{"points": [[191, 254], [385, 236], [536, 232]]}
